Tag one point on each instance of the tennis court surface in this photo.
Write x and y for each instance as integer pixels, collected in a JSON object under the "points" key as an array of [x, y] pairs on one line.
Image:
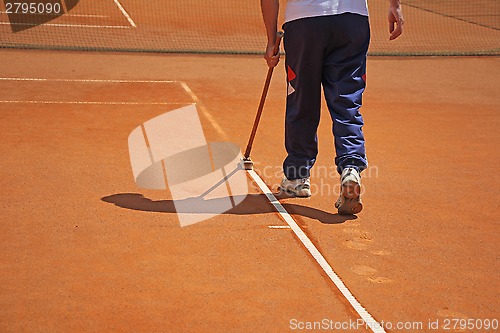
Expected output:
{"points": [[83, 248]]}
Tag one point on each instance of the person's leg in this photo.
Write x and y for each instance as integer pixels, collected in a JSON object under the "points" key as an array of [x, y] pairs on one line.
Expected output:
{"points": [[304, 46], [344, 83]]}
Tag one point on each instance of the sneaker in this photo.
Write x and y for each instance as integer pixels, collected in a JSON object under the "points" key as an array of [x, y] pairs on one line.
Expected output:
{"points": [[297, 187], [349, 202]]}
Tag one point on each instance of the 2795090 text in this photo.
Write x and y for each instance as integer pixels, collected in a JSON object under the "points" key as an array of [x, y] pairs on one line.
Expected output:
{"points": [[32, 8]]}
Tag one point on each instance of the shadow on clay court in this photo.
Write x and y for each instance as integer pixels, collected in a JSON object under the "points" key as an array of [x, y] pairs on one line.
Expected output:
{"points": [[251, 204]]}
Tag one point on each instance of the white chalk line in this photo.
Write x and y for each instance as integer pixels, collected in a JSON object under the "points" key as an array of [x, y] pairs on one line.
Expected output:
{"points": [[91, 102], [86, 15], [27, 79], [124, 12], [84, 80], [205, 112], [371, 323], [320, 259]]}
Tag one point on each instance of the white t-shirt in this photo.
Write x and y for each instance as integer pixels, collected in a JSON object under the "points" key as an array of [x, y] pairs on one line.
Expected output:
{"points": [[296, 9]]}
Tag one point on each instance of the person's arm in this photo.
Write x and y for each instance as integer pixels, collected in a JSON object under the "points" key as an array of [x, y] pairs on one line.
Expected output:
{"points": [[270, 9], [396, 20]]}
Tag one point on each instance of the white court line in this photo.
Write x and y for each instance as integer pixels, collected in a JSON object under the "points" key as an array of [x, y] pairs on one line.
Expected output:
{"points": [[27, 79], [70, 25], [86, 15], [84, 80], [92, 103], [371, 323], [124, 12], [205, 112]]}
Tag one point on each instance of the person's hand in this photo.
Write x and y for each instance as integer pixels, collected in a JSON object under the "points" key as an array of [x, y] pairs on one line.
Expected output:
{"points": [[271, 58], [396, 21]]}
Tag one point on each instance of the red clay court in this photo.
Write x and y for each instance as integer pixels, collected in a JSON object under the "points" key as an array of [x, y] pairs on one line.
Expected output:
{"points": [[83, 248]]}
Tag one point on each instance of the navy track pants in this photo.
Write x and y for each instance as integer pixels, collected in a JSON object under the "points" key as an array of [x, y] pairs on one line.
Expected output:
{"points": [[328, 51]]}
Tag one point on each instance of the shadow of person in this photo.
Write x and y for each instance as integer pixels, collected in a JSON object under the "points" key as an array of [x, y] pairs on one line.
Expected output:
{"points": [[251, 204]]}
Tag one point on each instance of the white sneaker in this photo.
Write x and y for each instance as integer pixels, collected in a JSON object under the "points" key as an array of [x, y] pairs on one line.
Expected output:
{"points": [[349, 202], [298, 187]]}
